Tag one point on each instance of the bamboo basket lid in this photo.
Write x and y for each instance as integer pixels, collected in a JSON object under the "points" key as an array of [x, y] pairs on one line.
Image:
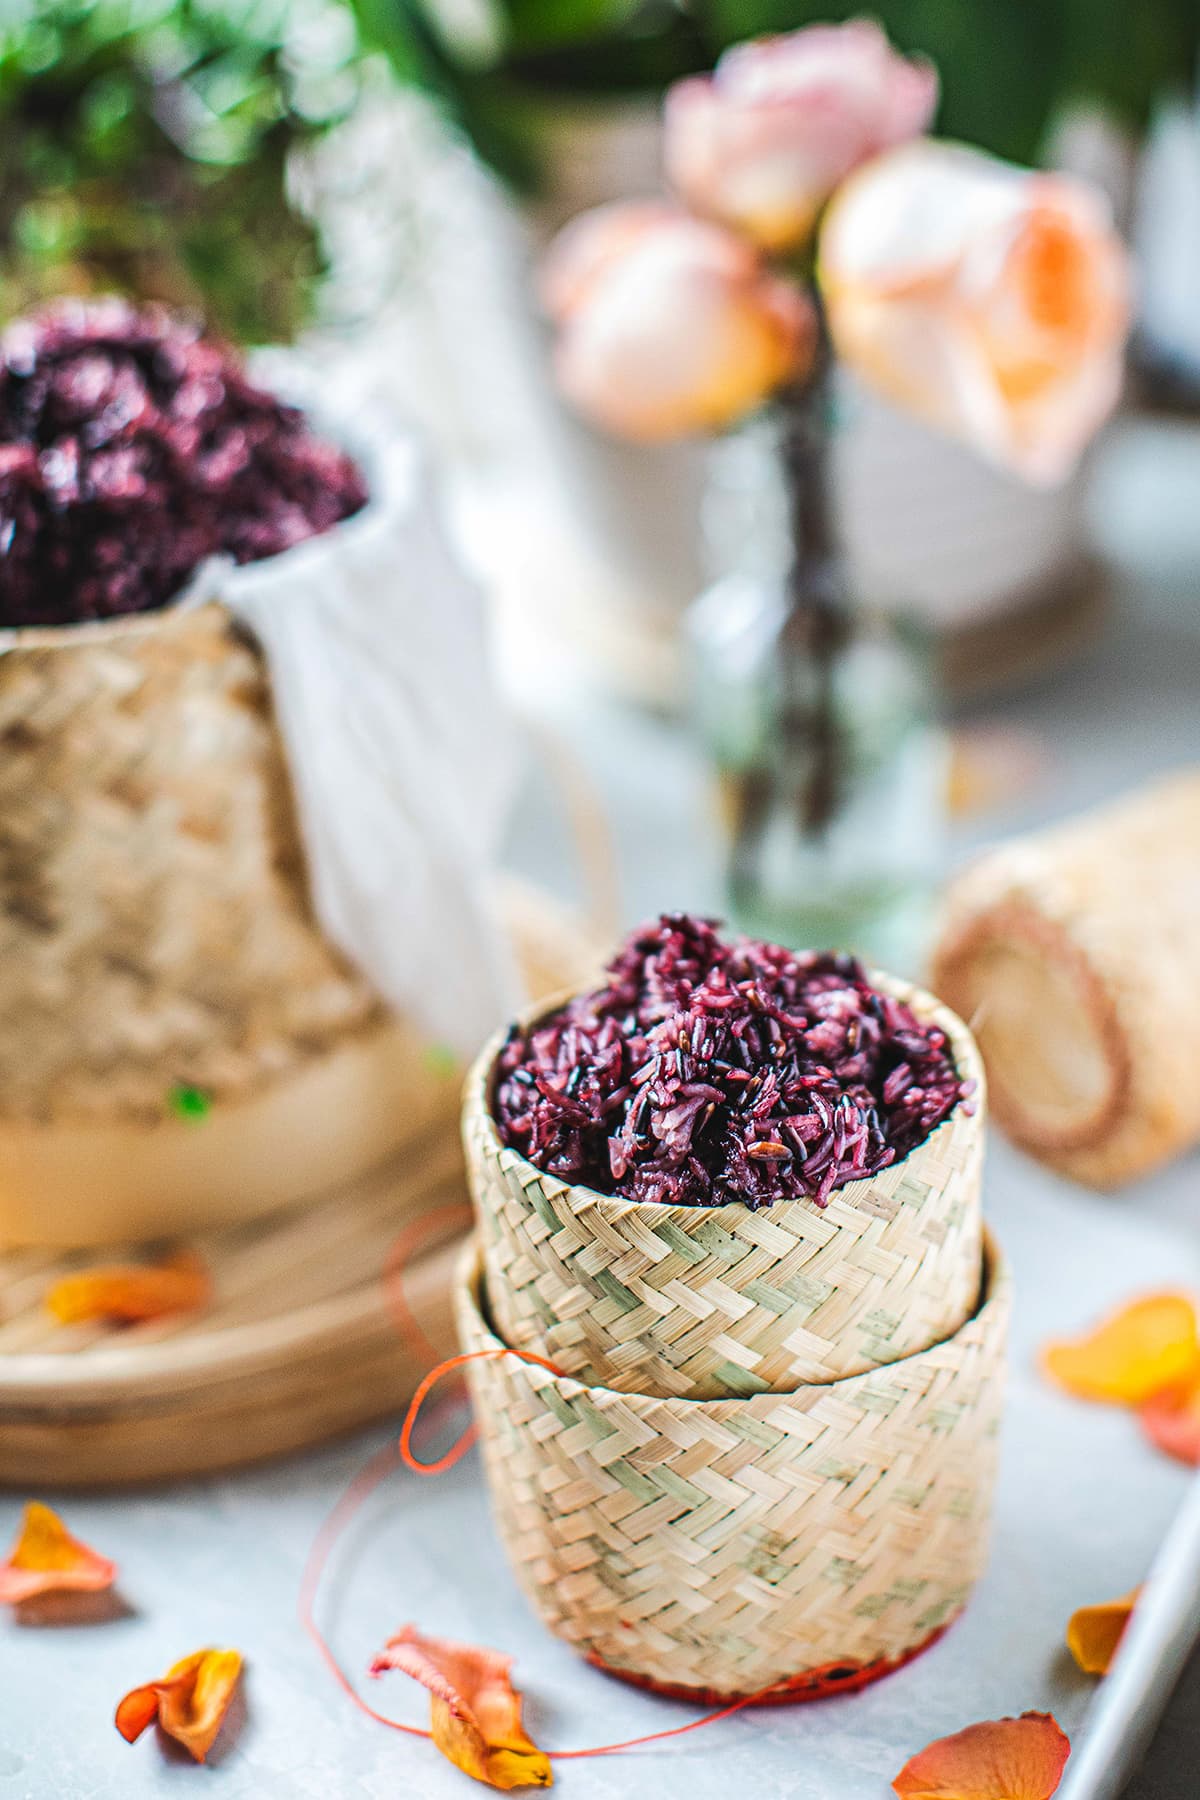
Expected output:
{"points": [[304, 1338]]}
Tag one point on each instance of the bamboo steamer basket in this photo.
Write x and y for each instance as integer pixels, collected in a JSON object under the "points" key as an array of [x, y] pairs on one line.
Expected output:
{"points": [[324, 1316], [708, 1301], [717, 1548], [156, 935], [1076, 954]]}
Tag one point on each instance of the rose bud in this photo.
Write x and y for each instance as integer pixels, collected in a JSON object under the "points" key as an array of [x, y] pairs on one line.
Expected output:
{"points": [[668, 325], [993, 302], [762, 142]]}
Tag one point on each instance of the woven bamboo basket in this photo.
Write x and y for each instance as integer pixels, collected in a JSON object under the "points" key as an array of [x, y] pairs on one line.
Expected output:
{"points": [[156, 938], [324, 1315], [711, 1301], [716, 1548], [1077, 954], [158, 951]]}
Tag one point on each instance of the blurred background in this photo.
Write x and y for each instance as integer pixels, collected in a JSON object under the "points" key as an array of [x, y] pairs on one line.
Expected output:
{"points": [[374, 184], [377, 179]]}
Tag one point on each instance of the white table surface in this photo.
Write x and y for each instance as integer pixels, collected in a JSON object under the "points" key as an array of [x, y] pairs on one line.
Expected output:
{"points": [[1082, 1504]]}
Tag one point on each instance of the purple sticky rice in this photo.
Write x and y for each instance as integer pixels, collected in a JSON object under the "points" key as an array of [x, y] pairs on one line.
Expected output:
{"points": [[708, 1069], [132, 448]]}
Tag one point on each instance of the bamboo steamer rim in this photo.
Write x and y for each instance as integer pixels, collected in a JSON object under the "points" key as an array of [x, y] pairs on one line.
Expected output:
{"points": [[164, 1374], [480, 1082], [1016, 929], [995, 1295], [79, 1186]]}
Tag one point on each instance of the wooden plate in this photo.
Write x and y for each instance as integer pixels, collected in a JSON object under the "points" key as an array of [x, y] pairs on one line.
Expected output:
{"points": [[308, 1334]]}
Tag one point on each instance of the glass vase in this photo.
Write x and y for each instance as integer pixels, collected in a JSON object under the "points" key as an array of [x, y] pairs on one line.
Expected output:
{"points": [[818, 716]]}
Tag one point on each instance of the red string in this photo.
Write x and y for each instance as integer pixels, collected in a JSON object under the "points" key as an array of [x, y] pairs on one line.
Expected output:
{"points": [[462, 1444], [369, 1477], [380, 1466], [657, 1737], [412, 1238]]}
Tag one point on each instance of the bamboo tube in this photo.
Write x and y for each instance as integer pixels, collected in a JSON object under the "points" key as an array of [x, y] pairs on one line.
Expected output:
{"points": [[1075, 954]]}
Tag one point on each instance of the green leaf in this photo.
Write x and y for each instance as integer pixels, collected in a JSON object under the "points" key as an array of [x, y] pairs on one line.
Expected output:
{"points": [[146, 150], [545, 24]]}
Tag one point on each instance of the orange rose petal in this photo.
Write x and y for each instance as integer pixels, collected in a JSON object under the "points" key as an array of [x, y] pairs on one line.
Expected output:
{"points": [[129, 1294], [189, 1702], [1004, 1759], [1135, 1353], [46, 1559], [1171, 1420], [475, 1713], [1094, 1632]]}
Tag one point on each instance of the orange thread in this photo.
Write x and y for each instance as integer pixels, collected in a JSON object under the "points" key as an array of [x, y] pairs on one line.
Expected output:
{"points": [[657, 1737], [412, 1238], [370, 1476], [463, 1443], [379, 1467]]}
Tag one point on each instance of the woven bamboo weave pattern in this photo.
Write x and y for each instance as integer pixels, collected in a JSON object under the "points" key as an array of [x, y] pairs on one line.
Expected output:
{"points": [[1078, 950], [154, 918], [305, 1335], [727, 1545], [711, 1301]]}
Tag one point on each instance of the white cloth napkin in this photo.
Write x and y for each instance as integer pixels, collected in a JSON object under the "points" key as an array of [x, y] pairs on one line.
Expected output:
{"points": [[401, 754]]}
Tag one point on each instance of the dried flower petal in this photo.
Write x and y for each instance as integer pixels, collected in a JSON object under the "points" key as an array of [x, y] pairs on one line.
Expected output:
{"points": [[1135, 1353], [46, 1559], [189, 1702], [1171, 1419], [1003, 1759], [131, 1293], [475, 1713], [1094, 1632], [707, 1070]]}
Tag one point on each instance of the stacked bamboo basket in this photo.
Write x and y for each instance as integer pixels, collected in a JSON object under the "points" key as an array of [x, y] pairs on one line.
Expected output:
{"points": [[763, 1457]]}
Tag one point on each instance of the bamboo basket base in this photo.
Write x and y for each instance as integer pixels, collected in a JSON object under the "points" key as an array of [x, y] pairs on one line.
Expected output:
{"points": [[812, 1684], [727, 1547], [379, 1094], [337, 1117], [306, 1336]]}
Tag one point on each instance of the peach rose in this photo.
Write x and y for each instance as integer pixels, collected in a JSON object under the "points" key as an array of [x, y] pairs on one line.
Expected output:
{"points": [[668, 325], [991, 301], [762, 142]]}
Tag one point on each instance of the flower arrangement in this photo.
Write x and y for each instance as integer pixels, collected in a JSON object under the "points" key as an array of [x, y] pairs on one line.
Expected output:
{"points": [[1007, 73], [813, 224], [989, 299]]}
